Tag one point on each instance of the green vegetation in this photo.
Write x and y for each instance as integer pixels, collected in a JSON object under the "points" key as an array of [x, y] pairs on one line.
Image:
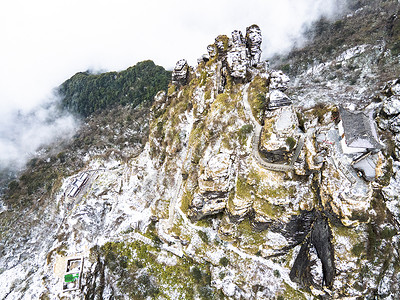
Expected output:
{"points": [[291, 142], [266, 208], [243, 189], [85, 93], [289, 293], [203, 236], [258, 102], [224, 261], [358, 249], [140, 275], [186, 201], [244, 131], [249, 239], [171, 89], [207, 95]]}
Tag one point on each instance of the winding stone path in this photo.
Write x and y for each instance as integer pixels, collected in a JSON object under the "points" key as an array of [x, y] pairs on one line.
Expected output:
{"points": [[256, 141]]}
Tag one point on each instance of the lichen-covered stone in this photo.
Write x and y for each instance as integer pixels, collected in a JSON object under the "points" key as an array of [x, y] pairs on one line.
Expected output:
{"points": [[222, 44], [212, 50]]}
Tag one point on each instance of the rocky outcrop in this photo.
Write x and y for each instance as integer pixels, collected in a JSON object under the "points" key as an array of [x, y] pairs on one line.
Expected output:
{"points": [[321, 238], [280, 133], [253, 42], [277, 98], [216, 174], [214, 184], [237, 56], [278, 81], [320, 241], [222, 46], [212, 51], [180, 74]]}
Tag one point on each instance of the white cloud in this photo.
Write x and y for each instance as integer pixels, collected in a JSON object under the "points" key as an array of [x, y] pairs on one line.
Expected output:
{"points": [[44, 42]]}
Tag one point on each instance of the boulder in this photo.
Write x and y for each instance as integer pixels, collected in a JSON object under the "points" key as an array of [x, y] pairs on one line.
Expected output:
{"points": [[180, 74], [277, 99]]}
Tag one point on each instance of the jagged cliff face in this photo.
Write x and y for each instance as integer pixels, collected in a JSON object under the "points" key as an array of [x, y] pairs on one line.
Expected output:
{"points": [[241, 191]]}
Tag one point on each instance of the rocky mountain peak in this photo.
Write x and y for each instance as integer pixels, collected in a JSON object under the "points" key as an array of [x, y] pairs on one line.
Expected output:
{"points": [[242, 189], [237, 54], [180, 73], [253, 42]]}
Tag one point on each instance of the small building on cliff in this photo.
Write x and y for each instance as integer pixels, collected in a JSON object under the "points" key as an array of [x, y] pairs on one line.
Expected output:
{"points": [[357, 130], [359, 138]]}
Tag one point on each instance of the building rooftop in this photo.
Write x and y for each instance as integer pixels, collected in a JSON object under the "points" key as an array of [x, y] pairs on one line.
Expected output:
{"points": [[359, 129]]}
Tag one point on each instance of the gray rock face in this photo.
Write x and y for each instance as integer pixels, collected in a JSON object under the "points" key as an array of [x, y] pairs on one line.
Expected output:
{"points": [[321, 237], [237, 56], [180, 73], [253, 42], [214, 185], [395, 124], [237, 53]]}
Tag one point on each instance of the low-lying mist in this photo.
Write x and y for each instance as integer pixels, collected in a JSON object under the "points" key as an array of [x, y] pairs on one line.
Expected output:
{"points": [[23, 133]]}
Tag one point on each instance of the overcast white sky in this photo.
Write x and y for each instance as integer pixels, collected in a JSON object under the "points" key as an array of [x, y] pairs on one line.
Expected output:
{"points": [[44, 42]]}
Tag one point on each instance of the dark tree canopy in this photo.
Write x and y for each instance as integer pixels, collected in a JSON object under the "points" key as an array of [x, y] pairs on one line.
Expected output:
{"points": [[85, 93]]}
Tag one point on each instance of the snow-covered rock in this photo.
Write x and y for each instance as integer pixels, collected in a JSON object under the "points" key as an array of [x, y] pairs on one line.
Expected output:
{"points": [[279, 81], [253, 42], [237, 56], [180, 73], [391, 106]]}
